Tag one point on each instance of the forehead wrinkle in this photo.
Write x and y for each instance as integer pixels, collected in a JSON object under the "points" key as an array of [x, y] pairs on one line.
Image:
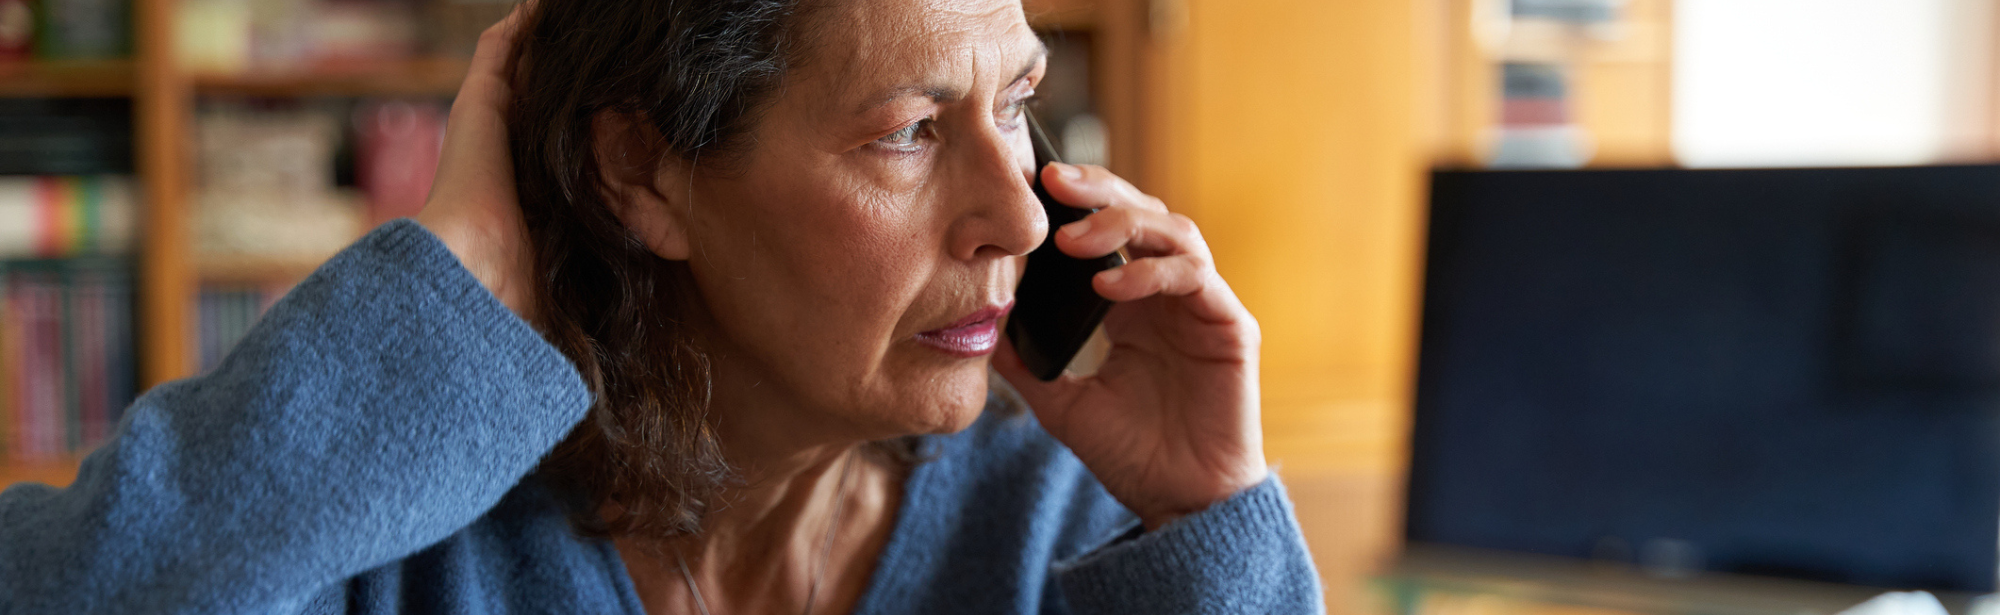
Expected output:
{"points": [[945, 93], [890, 34]]}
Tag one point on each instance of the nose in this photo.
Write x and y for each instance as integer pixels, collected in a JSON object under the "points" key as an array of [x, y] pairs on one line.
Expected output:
{"points": [[1000, 215]]}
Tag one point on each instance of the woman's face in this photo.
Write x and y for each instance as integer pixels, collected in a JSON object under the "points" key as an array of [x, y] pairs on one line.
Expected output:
{"points": [[857, 261]]}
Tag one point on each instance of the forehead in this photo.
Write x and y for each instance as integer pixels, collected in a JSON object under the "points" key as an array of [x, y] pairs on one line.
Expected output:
{"points": [[859, 45]]}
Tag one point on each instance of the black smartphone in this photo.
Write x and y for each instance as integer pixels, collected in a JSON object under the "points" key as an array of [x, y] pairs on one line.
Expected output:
{"points": [[1055, 308]]}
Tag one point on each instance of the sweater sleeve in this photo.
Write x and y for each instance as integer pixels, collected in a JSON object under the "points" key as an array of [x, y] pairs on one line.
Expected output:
{"points": [[1242, 555], [386, 402]]}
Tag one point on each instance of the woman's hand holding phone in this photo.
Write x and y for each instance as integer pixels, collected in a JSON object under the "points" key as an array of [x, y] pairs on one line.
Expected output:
{"points": [[1169, 423]]}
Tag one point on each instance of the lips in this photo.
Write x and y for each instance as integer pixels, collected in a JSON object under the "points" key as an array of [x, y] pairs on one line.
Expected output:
{"points": [[975, 335]]}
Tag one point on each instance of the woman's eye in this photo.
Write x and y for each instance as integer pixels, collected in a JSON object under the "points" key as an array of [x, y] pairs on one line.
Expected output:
{"points": [[1011, 116], [907, 136]]}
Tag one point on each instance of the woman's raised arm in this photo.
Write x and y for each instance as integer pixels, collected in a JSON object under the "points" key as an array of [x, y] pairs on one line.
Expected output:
{"points": [[388, 401], [385, 403]]}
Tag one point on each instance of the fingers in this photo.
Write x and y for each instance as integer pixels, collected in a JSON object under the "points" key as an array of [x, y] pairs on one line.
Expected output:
{"points": [[1170, 256], [486, 81], [1093, 187], [475, 143], [1143, 232], [498, 39], [1193, 281], [1177, 275]]}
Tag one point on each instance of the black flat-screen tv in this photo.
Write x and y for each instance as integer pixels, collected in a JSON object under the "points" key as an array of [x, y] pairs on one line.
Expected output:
{"points": [[1790, 372]]}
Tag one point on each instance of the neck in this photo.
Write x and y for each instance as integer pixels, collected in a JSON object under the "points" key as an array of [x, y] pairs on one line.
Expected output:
{"points": [[789, 462], [761, 545]]}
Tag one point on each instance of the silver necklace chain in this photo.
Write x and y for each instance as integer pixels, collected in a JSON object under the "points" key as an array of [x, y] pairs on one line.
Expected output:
{"points": [[825, 547]]}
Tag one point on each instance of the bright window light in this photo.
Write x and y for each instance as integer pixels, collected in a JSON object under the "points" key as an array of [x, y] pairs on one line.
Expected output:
{"points": [[1815, 82]]}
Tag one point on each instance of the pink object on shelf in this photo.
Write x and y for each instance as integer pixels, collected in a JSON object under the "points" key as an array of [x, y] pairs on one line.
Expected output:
{"points": [[1534, 112], [396, 155], [17, 29]]}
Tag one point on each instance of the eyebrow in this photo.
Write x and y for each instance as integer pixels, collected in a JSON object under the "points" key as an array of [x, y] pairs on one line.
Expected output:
{"points": [[945, 94]]}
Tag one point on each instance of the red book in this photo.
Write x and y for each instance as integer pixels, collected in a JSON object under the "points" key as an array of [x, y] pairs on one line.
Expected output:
{"points": [[46, 372], [87, 321], [32, 367]]}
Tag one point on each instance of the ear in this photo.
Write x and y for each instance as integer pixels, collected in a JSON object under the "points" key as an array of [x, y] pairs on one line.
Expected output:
{"points": [[630, 169]]}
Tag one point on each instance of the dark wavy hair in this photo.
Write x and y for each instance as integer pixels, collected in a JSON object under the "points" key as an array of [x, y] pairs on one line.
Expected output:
{"points": [[696, 72]]}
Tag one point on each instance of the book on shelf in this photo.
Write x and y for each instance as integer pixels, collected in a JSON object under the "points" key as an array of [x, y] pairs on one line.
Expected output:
{"points": [[83, 29], [231, 36], [60, 216], [1536, 130], [267, 183], [65, 136], [66, 355], [226, 314], [65, 29]]}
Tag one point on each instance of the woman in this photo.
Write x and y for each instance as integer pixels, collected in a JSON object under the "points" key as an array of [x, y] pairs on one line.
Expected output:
{"points": [[767, 245]]}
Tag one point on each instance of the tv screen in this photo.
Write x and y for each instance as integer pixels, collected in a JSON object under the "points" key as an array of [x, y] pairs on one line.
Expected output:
{"points": [[1790, 372]]}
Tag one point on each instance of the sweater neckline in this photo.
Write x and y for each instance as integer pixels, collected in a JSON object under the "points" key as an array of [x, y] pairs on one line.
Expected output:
{"points": [[915, 486]]}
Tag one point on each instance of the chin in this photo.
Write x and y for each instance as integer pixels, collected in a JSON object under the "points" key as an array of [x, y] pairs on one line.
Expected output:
{"points": [[948, 402]]}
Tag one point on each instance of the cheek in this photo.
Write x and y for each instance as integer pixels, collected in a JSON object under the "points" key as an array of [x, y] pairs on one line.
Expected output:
{"points": [[821, 285], [814, 277]]}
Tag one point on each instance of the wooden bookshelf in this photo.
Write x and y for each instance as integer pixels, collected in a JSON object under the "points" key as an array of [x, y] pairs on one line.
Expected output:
{"points": [[1620, 86], [242, 269], [413, 77], [69, 78], [56, 473]]}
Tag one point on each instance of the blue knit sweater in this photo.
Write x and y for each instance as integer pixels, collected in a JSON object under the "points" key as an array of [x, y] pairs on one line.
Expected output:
{"points": [[367, 449]]}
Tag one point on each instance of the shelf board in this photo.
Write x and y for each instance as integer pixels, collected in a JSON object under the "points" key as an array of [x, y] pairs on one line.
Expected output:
{"points": [[414, 77], [56, 473], [247, 269], [80, 78]]}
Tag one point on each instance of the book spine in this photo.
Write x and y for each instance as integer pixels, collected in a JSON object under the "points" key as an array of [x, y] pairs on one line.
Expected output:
{"points": [[66, 355], [89, 363], [46, 371], [56, 407], [70, 342], [59, 217], [121, 372], [28, 401]]}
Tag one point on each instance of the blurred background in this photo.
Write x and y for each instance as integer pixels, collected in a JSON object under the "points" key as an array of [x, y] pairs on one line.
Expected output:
{"points": [[1570, 306]]}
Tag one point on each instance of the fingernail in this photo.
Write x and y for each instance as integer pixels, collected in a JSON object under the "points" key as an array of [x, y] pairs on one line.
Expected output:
{"points": [[1068, 172], [1077, 229], [1112, 276]]}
